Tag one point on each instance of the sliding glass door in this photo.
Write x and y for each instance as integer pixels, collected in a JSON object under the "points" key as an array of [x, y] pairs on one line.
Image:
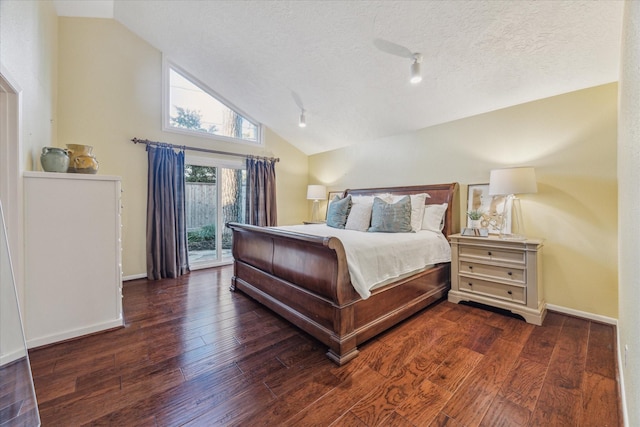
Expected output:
{"points": [[215, 195]]}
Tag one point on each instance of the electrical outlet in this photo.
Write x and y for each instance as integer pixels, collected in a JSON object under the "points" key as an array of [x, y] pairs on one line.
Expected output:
{"points": [[626, 354]]}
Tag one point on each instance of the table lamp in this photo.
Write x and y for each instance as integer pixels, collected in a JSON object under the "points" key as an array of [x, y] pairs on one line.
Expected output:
{"points": [[315, 193], [509, 182]]}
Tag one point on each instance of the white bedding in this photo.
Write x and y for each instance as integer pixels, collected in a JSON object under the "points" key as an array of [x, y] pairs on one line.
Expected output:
{"points": [[375, 258]]}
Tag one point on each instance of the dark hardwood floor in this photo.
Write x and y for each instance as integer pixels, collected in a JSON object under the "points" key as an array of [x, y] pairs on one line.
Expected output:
{"points": [[193, 353]]}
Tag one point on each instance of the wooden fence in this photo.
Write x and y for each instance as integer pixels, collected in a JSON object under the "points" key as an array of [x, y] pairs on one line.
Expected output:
{"points": [[201, 206]]}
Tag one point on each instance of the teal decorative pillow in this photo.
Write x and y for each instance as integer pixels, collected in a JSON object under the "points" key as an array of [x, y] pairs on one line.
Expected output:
{"points": [[338, 212], [391, 217]]}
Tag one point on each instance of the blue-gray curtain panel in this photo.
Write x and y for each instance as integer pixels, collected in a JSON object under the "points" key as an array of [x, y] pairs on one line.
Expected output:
{"points": [[261, 192], [167, 252]]}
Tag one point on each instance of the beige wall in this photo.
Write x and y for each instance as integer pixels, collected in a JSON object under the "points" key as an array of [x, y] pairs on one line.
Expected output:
{"points": [[110, 91], [570, 140], [629, 209]]}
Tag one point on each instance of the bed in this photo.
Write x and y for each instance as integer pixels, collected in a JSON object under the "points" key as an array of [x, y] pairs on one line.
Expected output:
{"points": [[305, 278]]}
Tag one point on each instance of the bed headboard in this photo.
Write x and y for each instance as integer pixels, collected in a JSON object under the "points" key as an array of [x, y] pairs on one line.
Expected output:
{"points": [[440, 193]]}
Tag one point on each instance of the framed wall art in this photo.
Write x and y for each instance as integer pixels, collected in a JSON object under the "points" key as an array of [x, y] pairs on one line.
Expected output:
{"points": [[492, 207]]}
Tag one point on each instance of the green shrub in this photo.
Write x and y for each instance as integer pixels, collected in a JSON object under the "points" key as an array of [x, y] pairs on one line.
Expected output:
{"points": [[203, 238], [194, 236], [208, 232]]}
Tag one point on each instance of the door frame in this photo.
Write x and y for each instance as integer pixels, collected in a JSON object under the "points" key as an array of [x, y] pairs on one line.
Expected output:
{"points": [[11, 168]]}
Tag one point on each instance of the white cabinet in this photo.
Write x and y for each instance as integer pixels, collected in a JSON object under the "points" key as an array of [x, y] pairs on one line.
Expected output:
{"points": [[73, 279], [501, 273]]}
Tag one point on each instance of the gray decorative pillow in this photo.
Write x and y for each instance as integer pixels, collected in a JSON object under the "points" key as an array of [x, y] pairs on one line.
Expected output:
{"points": [[391, 217], [338, 212]]}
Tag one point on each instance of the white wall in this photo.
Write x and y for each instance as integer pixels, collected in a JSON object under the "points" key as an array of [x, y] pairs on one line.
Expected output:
{"points": [[629, 209], [28, 33], [28, 53]]}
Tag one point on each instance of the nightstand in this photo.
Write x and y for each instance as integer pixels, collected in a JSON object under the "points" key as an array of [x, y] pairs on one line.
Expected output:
{"points": [[500, 273]]}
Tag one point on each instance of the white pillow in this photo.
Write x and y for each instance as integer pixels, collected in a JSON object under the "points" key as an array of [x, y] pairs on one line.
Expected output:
{"points": [[387, 197], [417, 209], [362, 199], [433, 218], [360, 216]]}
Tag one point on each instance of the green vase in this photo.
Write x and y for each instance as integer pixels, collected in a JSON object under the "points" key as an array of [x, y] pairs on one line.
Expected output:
{"points": [[54, 159]]}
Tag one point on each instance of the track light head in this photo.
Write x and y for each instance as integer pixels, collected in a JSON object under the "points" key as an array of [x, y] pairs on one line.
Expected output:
{"points": [[416, 75], [303, 120]]}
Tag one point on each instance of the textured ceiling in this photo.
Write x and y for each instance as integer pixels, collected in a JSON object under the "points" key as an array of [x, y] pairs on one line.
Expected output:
{"points": [[342, 59]]}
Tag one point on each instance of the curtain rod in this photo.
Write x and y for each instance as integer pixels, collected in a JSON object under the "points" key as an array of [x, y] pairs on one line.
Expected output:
{"points": [[204, 150]]}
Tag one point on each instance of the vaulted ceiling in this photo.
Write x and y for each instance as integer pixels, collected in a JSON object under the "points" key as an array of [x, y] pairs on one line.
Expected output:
{"points": [[347, 62]]}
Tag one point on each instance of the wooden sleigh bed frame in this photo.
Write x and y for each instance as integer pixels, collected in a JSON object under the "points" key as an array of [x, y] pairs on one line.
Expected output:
{"points": [[305, 279]]}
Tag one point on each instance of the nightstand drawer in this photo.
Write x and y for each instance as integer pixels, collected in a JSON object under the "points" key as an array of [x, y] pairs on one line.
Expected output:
{"points": [[516, 275], [490, 254], [494, 290]]}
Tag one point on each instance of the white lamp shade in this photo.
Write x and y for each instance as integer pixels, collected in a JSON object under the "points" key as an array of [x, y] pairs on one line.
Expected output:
{"points": [[512, 181], [316, 192]]}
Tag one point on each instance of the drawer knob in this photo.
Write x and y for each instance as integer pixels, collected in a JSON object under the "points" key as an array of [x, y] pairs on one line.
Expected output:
{"points": [[509, 292], [471, 267], [470, 284], [489, 253], [510, 273]]}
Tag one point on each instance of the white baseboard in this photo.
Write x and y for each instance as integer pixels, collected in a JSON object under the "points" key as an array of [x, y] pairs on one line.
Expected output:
{"points": [[623, 399], [12, 357], [583, 314], [134, 277], [609, 321], [192, 267], [75, 333]]}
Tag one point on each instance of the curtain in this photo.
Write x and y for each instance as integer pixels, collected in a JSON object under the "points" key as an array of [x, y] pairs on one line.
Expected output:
{"points": [[167, 255], [261, 192]]}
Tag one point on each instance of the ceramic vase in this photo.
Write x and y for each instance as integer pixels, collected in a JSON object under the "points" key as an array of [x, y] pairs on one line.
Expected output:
{"points": [[54, 159], [81, 160]]}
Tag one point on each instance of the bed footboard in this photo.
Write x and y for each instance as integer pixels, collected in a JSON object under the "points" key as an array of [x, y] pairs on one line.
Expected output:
{"points": [[305, 279]]}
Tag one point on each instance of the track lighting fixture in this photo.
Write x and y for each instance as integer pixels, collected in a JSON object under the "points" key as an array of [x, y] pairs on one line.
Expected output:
{"points": [[303, 120], [416, 76]]}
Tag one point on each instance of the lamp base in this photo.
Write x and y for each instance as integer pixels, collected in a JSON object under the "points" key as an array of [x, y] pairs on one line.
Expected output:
{"points": [[315, 211], [516, 225]]}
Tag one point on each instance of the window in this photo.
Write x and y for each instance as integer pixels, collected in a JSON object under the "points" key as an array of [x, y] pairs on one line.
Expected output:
{"points": [[193, 108]]}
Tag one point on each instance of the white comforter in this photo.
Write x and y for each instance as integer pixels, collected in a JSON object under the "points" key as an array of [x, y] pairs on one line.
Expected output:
{"points": [[375, 258]]}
